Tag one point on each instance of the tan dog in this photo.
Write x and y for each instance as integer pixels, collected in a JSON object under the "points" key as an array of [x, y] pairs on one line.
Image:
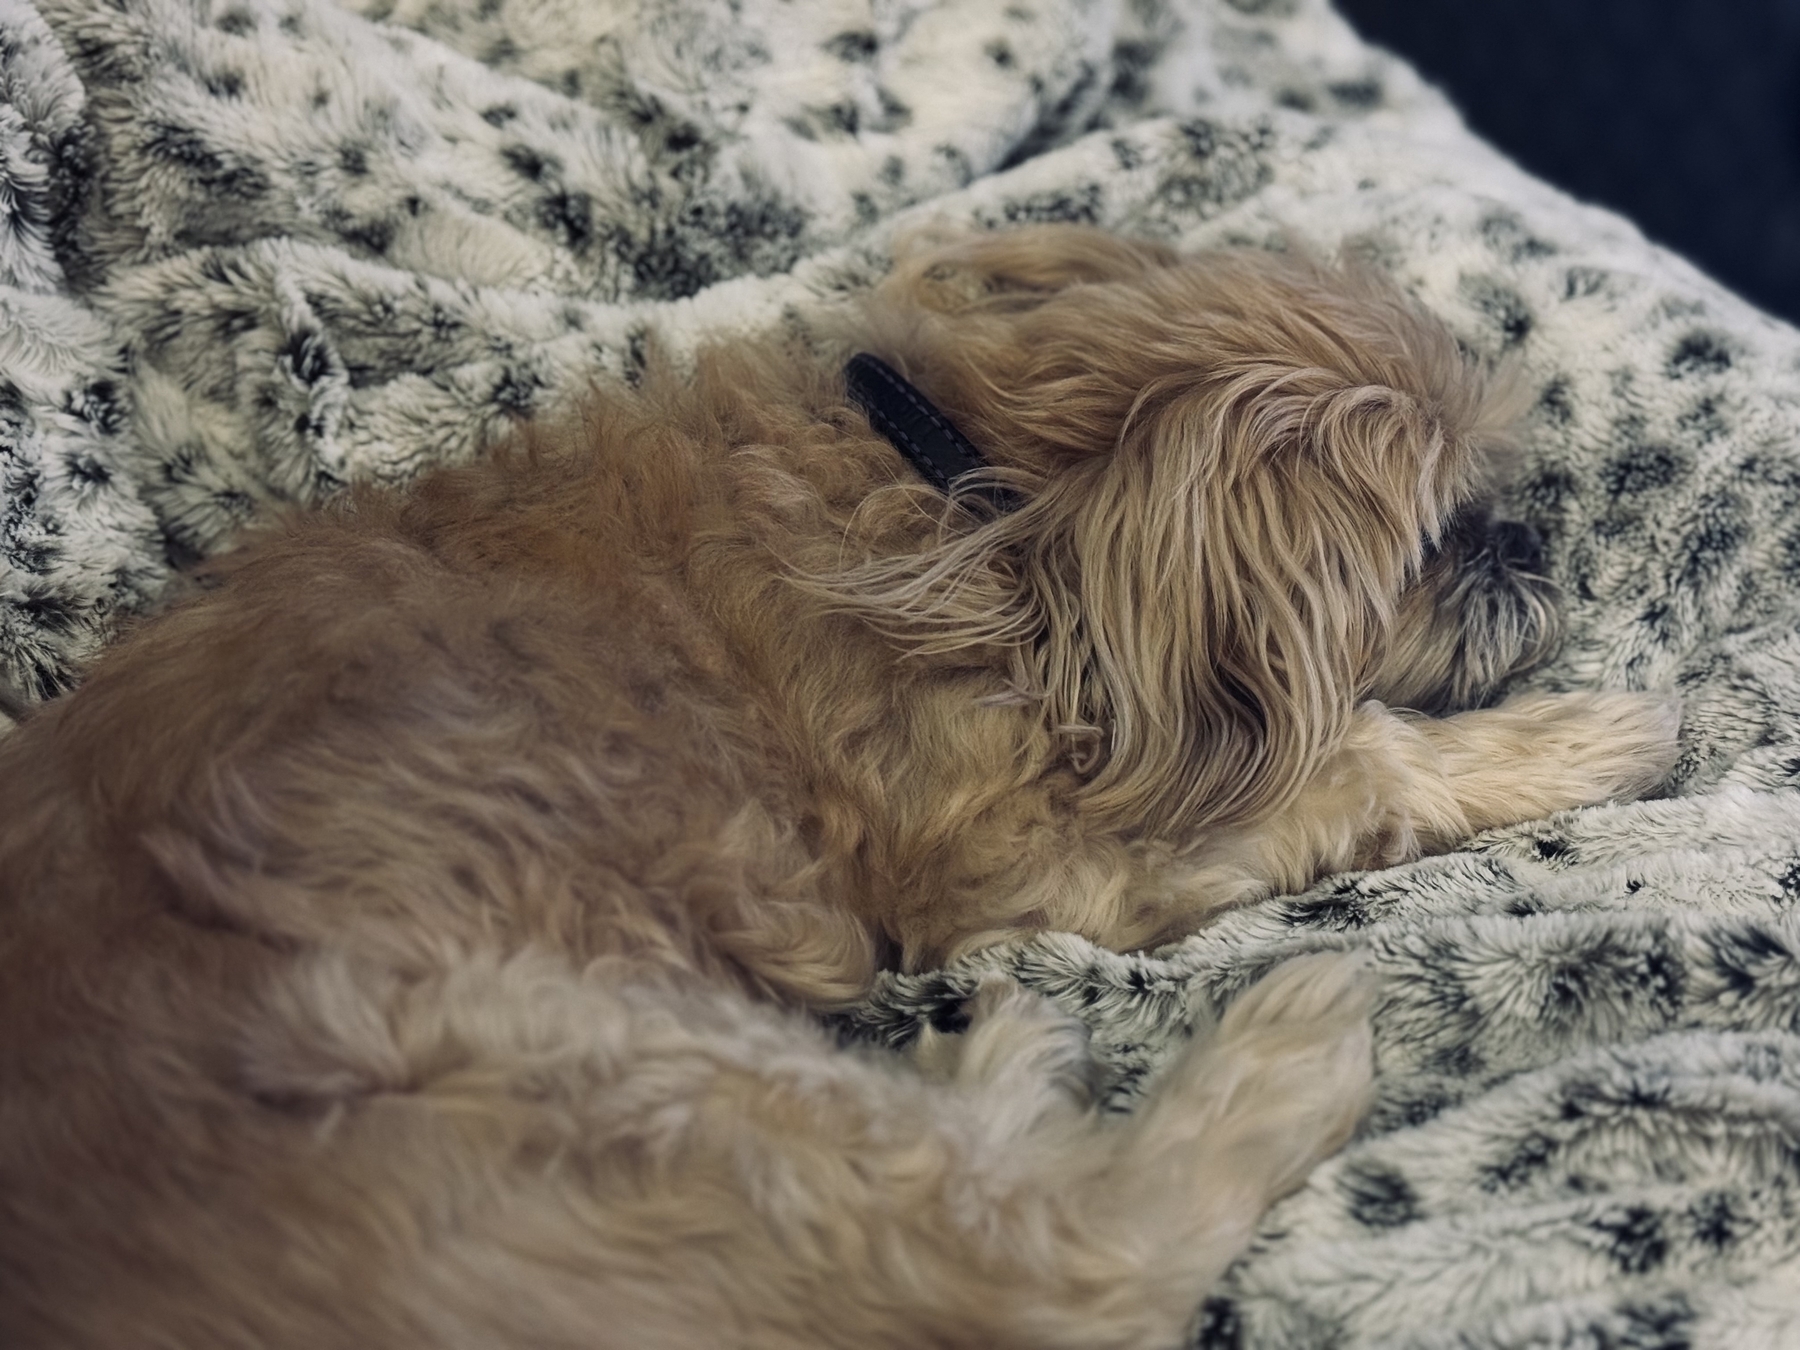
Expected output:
{"points": [[408, 939]]}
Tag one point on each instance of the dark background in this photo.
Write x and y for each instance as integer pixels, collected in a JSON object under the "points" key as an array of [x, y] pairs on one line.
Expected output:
{"points": [[1683, 115]]}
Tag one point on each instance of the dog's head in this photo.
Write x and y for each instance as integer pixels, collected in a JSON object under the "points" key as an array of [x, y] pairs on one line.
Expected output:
{"points": [[1251, 494]]}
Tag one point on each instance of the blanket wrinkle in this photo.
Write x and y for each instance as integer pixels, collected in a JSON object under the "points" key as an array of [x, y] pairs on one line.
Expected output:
{"points": [[254, 250]]}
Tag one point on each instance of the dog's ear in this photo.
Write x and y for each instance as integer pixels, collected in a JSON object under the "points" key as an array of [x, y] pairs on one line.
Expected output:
{"points": [[1231, 467], [1011, 269], [1298, 434], [1236, 562]]}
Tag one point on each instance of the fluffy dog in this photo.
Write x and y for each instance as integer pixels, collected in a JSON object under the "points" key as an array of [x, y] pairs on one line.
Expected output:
{"points": [[409, 938]]}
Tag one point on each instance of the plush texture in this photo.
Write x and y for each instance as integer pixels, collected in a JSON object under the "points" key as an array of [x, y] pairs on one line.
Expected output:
{"points": [[252, 251]]}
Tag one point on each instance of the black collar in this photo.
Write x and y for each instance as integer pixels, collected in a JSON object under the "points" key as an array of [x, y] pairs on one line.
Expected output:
{"points": [[920, 431]]}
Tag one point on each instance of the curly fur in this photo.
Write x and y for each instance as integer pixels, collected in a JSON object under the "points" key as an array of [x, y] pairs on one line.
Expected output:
{"points": [[408, 937]]}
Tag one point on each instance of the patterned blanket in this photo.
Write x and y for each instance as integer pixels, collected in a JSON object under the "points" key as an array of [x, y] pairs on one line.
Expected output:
{"points": [[253, 249]]}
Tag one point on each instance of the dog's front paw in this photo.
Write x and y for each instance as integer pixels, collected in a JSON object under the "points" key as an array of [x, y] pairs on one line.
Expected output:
{"points": [[1616, 745], [1536, 754]]}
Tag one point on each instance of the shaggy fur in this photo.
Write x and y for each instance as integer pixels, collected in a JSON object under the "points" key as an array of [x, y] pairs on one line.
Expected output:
{"points": [[407, 939]]}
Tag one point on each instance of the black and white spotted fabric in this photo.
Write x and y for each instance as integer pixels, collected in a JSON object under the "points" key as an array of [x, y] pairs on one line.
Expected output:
{"points": [[251, 250]]}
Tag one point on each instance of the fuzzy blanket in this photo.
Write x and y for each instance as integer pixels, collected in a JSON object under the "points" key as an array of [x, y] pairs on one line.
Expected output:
{"points": [[253, 249]]}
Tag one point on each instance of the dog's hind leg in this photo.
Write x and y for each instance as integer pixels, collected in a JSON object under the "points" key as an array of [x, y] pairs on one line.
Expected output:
{"points": [[1044, 1224], [521, 1153], [1014, 1036], [1236, 1122]]}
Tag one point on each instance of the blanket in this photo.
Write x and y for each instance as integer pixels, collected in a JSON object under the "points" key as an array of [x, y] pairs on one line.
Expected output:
{"points": [[253, 250]]}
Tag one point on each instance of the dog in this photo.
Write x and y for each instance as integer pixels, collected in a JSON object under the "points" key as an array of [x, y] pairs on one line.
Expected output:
{"points": [[415, 935]]}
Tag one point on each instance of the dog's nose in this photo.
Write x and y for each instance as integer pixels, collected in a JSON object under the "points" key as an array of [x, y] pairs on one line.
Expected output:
{"points": [[1518, 545]]}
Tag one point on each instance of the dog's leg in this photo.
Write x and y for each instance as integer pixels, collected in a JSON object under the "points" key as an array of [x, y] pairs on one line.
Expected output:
{"points": [[1539, 753], [1239, 1120], [1401, 786], [1016, 1037], [524, 1153], [1042, 1225]]}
